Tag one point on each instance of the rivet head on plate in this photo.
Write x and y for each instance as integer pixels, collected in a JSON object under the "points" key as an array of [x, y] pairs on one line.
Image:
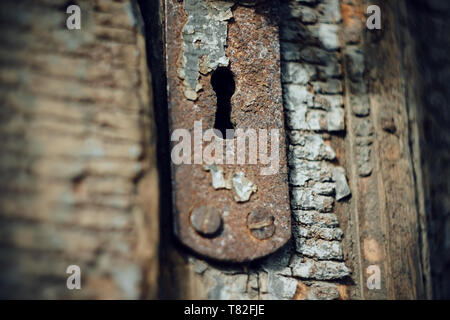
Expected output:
{"points": [[260, 222], [206, 220]]}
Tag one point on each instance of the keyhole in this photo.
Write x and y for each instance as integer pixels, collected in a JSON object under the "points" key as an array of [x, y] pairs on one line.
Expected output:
{"points": [[222, 81]]}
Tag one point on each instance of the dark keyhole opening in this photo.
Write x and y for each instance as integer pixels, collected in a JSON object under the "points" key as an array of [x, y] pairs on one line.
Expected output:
{"points": [[222, 81]]}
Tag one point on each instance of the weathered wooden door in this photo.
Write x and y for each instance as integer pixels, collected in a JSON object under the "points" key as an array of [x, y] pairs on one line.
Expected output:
{"points": [[355, 210]]}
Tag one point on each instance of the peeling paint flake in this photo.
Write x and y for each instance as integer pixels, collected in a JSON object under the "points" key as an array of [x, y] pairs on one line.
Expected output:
{"points": [[204, 40], [217, 177], [241, 187]]}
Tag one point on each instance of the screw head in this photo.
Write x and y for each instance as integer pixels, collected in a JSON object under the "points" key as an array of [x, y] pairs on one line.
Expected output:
{"points": [[206, 220], [260, 222]]}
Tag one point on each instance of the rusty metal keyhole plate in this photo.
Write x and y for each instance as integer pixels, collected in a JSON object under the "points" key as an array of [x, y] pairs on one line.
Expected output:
{"points": [[241, 214]]}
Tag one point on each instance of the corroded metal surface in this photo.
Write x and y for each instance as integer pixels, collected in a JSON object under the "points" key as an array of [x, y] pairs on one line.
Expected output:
{"points": [[236, 190]]}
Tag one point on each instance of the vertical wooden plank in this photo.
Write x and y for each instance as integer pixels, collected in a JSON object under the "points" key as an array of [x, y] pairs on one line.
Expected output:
{"points": [[79, 183], [386, 209]]}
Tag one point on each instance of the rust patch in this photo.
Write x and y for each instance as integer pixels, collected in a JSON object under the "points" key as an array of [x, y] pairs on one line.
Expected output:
{"points": [[252, 48], [302, 291], [352, 14], [372, 251], [343, 292]]}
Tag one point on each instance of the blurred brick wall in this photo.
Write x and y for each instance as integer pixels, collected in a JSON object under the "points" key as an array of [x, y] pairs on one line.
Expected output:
{"points": [[77, 162]]}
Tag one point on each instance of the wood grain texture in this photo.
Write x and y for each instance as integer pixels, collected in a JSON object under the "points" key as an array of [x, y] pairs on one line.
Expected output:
{"points": [[78, 167], [387, 216]]}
